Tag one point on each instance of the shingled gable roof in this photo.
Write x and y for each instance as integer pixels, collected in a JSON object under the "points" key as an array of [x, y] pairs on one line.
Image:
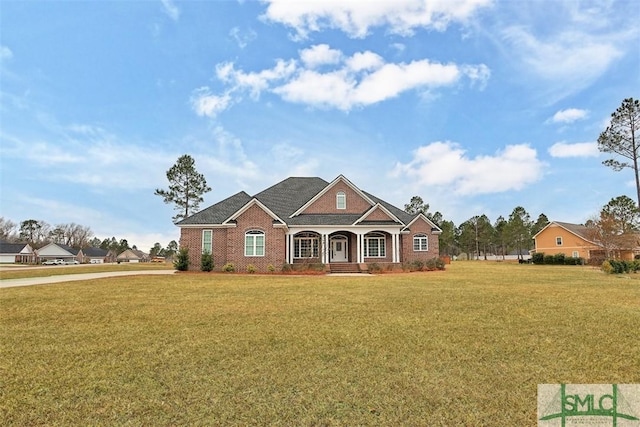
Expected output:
{"points": [[11, 248], [434, 228], [577, 229], [219, 212], [392, 218], [287, 199], [340, 178]]}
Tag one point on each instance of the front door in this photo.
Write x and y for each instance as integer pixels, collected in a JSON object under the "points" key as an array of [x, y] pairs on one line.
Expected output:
{"points": [[339, 250]]}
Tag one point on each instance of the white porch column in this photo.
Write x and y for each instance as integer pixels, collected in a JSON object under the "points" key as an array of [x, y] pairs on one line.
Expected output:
{"points": [[394, 247], [359, 257], [324, 247], [287, 255]]}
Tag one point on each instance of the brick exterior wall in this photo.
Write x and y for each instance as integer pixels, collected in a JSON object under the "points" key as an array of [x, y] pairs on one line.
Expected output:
{"points": [[327, 202], [228, 243], [419, 227]]}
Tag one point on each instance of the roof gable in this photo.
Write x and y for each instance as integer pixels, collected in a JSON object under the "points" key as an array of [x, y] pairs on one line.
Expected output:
{"points": [[378, 214], [219, 212], [434, 228], [253, 202], [577, 230], [14, 248], [55, 249], [340, 181]]}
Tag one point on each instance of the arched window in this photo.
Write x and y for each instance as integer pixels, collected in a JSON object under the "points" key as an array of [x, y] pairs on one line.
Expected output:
{"points": [[254, 243], [341, 200], [374, 245], [420, 242]]}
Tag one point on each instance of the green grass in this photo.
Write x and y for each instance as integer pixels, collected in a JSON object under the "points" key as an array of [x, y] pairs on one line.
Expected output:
{"points": [[14, 272], [463, 347]]}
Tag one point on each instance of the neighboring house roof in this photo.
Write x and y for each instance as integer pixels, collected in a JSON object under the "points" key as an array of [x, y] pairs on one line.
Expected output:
{"points": [[9, 248], [92, 252], [56, 249], [579, 230], [287, 200], [133, 254]]}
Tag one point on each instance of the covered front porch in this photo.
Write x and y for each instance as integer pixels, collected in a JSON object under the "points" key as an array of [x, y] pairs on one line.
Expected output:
{"points": [[335, 246]]}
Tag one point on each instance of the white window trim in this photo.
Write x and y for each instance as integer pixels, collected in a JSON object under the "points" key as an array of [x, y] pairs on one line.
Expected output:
{"points": [[421, 238], [315, 246], [204, 232], [560, 239], [254, 246], [382, 245], [341, 196]]}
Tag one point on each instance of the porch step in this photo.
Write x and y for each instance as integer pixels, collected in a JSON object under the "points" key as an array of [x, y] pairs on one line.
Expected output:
{"points": [[344, 267]]}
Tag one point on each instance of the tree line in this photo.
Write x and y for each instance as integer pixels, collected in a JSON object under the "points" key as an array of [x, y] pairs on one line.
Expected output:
{"points": [[479, 237], [39, 233], [615, 227]]}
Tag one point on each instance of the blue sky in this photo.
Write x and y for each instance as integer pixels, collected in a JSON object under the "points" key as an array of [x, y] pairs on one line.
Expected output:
{"points": [[477, 106]]}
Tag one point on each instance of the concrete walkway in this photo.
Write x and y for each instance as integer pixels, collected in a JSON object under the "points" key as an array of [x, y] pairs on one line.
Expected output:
{"points": [[29, 281]]}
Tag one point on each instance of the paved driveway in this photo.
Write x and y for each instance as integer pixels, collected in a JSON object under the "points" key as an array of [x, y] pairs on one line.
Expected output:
{"points": [[10, 283]]}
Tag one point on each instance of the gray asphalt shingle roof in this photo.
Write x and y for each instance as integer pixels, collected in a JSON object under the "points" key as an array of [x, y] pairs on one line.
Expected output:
{"points": [[11, 248], [285, 198], [220, 212]]}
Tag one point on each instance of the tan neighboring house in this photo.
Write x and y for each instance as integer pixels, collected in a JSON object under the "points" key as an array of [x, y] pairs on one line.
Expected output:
{"points": [[133, 255], [573, 240]]}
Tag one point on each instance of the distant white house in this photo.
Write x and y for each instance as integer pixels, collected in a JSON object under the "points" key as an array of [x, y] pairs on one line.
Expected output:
{"points": [[12, 253], [57, 251]]}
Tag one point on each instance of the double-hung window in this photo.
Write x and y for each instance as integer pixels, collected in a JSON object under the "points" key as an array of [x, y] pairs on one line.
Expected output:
{"points": [[420, 243], [558, 241], [374, 245], [254, 243], [207, 241]]}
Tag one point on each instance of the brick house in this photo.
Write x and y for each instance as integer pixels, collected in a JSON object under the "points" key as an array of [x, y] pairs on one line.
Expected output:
{"points": [[308, 220]]}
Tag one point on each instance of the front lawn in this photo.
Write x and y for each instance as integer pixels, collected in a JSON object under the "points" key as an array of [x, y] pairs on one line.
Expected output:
{"points": [[467, 346]]}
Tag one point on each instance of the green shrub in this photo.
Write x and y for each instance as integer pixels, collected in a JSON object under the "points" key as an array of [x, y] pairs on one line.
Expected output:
{"points": [[607, 268], [229, 268], [558, 259], [417, 265], [538, 258], [251, 268], [548, 259], [206, 262], [182, 260], [434, 264], [271, 268], [286, 268]]}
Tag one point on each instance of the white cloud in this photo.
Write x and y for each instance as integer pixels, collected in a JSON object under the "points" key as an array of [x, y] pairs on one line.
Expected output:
{"points": [[579, 149], [446, 164], [356, 17], [568, 61], [170, 9], [5, 53], [320, 54], [569, 115], [242, 38], [206, 104], [343, 82]]}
